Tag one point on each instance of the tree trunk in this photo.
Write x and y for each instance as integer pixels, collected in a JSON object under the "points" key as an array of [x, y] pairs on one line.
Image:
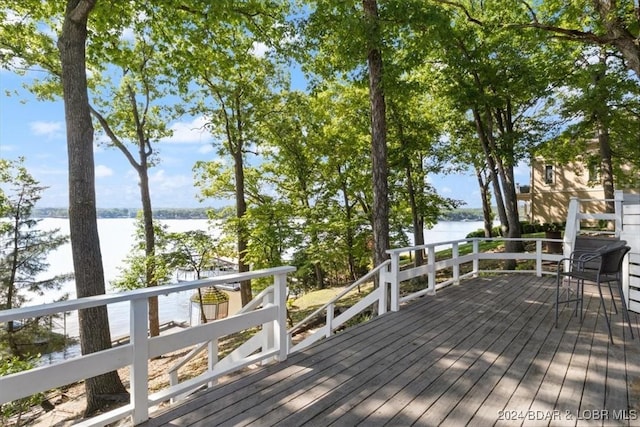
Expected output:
{"points": [[144, 151], [349, 233], [604, 142], [241, 209], [618, 31], [85, 245], [150, 244], [491, 167], [486, 204], [417, 219], [380, 214]]}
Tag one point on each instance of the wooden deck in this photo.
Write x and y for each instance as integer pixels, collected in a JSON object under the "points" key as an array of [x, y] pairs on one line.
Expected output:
{"points": [[482, 353]]}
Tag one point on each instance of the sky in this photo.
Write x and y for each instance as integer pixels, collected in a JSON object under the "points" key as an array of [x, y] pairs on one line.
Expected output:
{"points": [[35, 130]]}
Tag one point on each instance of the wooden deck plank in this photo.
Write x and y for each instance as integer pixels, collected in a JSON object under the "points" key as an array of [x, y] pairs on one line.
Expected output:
{"points": [[343, 348], [495, 362], [369, 408], [371, 364], [435, 399], [518, 356], [456, 358], [420, 375]]}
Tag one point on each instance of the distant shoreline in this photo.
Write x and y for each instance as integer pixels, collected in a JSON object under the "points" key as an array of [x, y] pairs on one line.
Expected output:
{"points": [[467, 214]]}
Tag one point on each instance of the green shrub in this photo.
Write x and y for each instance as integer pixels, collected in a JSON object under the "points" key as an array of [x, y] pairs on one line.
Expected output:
{"points": [[16, 408]]}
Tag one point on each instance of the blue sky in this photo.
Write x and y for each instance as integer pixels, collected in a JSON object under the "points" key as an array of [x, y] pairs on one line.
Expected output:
{"points": [[36, 130]]}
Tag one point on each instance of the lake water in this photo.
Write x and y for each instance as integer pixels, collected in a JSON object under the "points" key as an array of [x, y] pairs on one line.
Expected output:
{"points": [[116, 239]]}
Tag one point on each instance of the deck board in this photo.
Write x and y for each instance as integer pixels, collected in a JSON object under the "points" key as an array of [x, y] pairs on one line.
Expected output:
{"points": [[456, 358]]}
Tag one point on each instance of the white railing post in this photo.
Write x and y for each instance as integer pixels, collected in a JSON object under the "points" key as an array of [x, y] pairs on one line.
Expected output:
{"points": [[572, 226], [455, 253], [280, 324], [383, 296], [476, 261], [618, 201], [139, 369], [329, 320], [269, 329], [212, 348], [431, 275], [395, 281], [539, 258]]}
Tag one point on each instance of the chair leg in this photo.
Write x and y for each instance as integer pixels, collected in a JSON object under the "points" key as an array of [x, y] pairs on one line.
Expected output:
{"points": [[604, 309], [557, 298], [613, 300], [625, 312], [581, 289], [578, 299]]}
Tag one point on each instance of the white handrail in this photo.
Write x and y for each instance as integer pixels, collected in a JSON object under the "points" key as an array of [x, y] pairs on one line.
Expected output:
{"points": [[136, 354], [138, 294], [271, 316], [252, 305], [369, 276]]}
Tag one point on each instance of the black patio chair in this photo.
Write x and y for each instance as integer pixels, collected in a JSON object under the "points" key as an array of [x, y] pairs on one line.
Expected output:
{"points": [[599, 266]]}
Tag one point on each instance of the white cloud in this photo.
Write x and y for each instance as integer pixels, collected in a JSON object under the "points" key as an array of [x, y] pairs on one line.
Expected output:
{"points": [[194, 131], [259, 49], [103, 171], [205, 149], [164, 182], [49, 129]]}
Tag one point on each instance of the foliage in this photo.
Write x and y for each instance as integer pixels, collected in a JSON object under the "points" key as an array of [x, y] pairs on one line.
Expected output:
{"points": [[195, 250], [133, 275], [16, 409], [468, 86], [525, 228], [23, 247]]}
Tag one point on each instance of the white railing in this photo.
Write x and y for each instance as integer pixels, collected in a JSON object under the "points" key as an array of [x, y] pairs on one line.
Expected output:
{"points": [[268, 311], [456, 261], [270, 316], [242, 356], [377, 296], [391, 274], [577, 213]]}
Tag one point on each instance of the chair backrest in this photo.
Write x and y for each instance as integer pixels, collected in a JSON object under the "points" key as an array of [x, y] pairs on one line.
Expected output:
{"points": [[612, 256]]}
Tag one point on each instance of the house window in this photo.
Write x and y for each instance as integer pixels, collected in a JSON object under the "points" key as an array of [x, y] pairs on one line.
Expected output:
{"points": [[548, 174]]}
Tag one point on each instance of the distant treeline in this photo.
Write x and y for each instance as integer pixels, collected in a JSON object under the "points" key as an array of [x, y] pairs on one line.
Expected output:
{"points": [[165, 213], [466, 214]]}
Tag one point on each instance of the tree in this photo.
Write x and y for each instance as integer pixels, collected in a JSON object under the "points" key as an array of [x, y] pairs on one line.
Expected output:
{"points": [[379, 164], [600, 102], [85, 242], [23, 248], [27, 44], [606, 23], [135, 273], [498, 80], [199, 252], [235, 91], [133, 120]]}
